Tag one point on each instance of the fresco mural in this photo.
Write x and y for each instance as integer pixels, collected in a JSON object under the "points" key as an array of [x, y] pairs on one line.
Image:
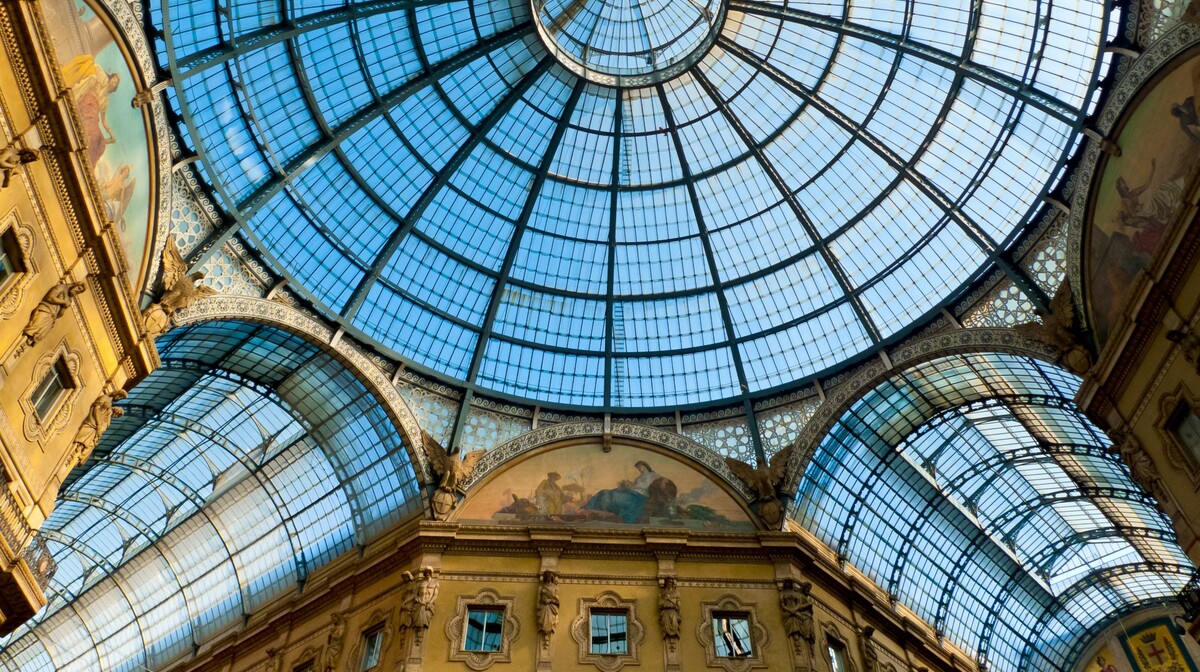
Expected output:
{"points": [[581, 485], [1139, 192], [99, 77]]}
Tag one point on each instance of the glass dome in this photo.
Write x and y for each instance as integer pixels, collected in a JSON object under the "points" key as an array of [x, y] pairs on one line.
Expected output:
{"points": [[636, 205]]}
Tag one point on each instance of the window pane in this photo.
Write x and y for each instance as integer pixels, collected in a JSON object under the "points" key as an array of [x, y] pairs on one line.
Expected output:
{"points": [[45, 397], [837, 657], [371, 646], [609, 633], [731, 636], [484, 629], [1187, 430]]}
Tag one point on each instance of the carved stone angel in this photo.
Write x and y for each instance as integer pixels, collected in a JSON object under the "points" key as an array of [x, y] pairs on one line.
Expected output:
{"points": [[179, 290], [764, 482], [1059, 329], [453, 472]]}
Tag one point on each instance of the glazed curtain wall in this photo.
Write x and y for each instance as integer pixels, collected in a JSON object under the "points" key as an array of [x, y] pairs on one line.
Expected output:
{"points": [[974, 492], [247, 461]]}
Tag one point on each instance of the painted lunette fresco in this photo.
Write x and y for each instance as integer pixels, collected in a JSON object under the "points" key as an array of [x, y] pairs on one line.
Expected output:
{"points": [[581, 485], [1138, 193], [98, 76]]}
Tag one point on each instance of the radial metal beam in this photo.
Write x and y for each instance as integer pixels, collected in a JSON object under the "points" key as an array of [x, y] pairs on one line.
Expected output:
{"points": [[244, 210], [443, 177], [956, 63], [514, 245], [972, 229], [610, 282], [731, 340], [831, 261]]}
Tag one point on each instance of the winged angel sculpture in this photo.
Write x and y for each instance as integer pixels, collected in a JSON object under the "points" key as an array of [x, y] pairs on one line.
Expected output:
{"points": [[179, 290], [764, 482], [453, 472], [1058, 330]]}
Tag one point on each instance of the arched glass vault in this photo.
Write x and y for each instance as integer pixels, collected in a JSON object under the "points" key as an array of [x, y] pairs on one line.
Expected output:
{"points": [[821, 177], [249, 459], [974, 492]]}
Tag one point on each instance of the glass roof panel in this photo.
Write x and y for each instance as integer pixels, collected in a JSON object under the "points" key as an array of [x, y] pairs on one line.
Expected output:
{"points": [[207, 500], [409, 168], [947, 486]]}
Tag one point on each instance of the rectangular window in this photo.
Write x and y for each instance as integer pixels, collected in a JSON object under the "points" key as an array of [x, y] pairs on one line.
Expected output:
{"points": [[372, 645], [837, 656], [610, 632], [485, 627], [51, 390], [731, 635], [306, 666], [1185, 426], [10, 257]]}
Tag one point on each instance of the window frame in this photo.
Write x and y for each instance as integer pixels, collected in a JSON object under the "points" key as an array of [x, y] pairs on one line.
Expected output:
{"points": [[456, 629], [375, 634], [730, 606], [57, 371], [730, 616], [607, 614], [581, 631]]}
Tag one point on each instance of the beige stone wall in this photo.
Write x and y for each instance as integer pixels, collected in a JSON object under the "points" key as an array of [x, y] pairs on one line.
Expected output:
{"points": [[469, 560], [50, 207]]}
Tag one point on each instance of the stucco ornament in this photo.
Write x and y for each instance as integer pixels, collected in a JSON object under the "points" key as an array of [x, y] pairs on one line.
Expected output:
{"points": [[796, 603], [668, 611], [1060, 329], [179, 290], [548, 606], [764, 482], [95, 424], [45, 314], [453, 473], [12, 158]]}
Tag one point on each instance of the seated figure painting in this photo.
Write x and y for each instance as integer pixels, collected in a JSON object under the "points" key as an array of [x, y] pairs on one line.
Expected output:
{"points": [[583, 485]]}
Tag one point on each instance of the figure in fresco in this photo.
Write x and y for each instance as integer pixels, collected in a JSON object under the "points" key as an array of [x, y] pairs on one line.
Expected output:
{"points": [[117, 191], [648, 495], [97, 73], [1140, 194], [582, 485], [550, 497], [92, 87]]}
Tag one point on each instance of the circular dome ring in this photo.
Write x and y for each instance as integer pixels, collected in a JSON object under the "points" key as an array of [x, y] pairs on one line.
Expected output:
{"points": [[463, 217], [579, 33]]}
